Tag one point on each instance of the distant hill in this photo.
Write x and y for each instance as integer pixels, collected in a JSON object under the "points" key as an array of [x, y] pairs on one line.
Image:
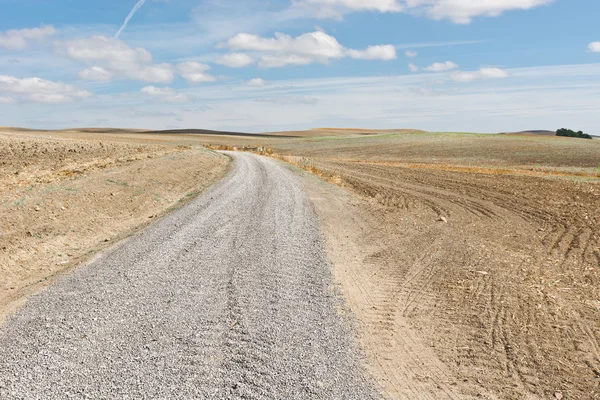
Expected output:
{"points": [[100, 131], [531, 132], [320, 132], [216, 133]]}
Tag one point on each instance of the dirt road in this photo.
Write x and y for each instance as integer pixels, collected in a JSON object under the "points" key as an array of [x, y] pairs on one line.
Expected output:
{"points": [[229, 297]]}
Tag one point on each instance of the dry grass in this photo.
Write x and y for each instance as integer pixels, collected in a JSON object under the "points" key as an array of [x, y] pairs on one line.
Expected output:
{"points": [[311, 166], [61, 199], [303, 163], [537, 171]]}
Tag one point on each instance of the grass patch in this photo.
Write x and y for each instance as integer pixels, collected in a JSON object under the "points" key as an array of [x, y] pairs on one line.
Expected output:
{"points": [[19, 202], [117, 182]]}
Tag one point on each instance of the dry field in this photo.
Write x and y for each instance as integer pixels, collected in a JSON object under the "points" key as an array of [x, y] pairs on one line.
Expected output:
{"points": [[472, 262], [64, 199]]}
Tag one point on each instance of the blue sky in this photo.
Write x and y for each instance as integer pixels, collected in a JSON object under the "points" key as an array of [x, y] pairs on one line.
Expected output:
{"points": [[441, 65]]}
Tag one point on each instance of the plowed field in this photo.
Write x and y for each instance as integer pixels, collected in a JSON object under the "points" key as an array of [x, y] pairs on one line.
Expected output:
{"points": [[473, 269]]}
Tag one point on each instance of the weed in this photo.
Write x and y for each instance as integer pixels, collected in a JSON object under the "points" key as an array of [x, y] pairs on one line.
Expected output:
{"points": [[117, 182], [218, 147], [309, 165], [20, 202]]}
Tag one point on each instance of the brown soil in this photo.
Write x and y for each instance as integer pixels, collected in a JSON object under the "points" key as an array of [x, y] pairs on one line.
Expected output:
{"points": [[505, 292], [62, 200], [472, 262]]}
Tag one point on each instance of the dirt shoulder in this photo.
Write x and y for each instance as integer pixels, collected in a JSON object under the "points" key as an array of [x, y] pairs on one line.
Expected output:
{"points": [[403, 362], [63, 200]]}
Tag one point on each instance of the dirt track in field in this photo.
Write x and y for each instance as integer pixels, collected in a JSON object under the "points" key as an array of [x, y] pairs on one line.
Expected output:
{"points": [[229, 297]]}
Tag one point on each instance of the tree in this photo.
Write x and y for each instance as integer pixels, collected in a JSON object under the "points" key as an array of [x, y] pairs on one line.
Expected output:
{"points": [[571, 133]]}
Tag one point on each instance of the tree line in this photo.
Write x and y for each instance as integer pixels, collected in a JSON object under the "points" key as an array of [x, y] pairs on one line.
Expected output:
{"points": [[571, 133]]}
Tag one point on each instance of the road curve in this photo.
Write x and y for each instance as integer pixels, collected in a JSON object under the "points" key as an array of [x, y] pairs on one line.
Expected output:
{"points": [[229, 297]]}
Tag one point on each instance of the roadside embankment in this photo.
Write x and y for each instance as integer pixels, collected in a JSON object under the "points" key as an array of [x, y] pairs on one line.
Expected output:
{"points": [[63, 200]]}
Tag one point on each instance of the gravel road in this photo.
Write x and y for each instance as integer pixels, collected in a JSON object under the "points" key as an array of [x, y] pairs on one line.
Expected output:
{"points": [[229, 297]]}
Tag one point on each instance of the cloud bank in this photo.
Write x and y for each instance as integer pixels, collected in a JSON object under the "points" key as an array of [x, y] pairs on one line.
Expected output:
{"points": [[39, 90], [308, 48], [19, 39], [457, 11]]}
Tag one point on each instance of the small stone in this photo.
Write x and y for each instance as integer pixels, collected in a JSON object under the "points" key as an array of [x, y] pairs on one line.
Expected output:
{"points": [[442, 219], [558, 395], [37, 208]]}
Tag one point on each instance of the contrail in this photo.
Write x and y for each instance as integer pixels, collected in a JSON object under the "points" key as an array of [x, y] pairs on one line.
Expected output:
{"points": [[137, 6]]}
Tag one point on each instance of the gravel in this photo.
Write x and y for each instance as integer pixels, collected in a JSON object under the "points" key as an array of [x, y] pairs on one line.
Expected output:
{"points": [[229, 297]]}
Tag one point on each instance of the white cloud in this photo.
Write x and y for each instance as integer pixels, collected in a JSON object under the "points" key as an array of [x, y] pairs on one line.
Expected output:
{"points": [[594, 47], [317, 45], [483, 73], [165, 94], [552, 95], [457, 11], [41, 90], [235, 60], [493, 73], [441, 67], [463, 11], [413, 67], [380, 52], [336, 8], [257, 82], [289, 100], [305, 49], [464, 77], [194, 72], [411, 53], [6, 100], [427, 92], [115, 57], [96, 74], [281, 60], [158, 73], [18, 39]]}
